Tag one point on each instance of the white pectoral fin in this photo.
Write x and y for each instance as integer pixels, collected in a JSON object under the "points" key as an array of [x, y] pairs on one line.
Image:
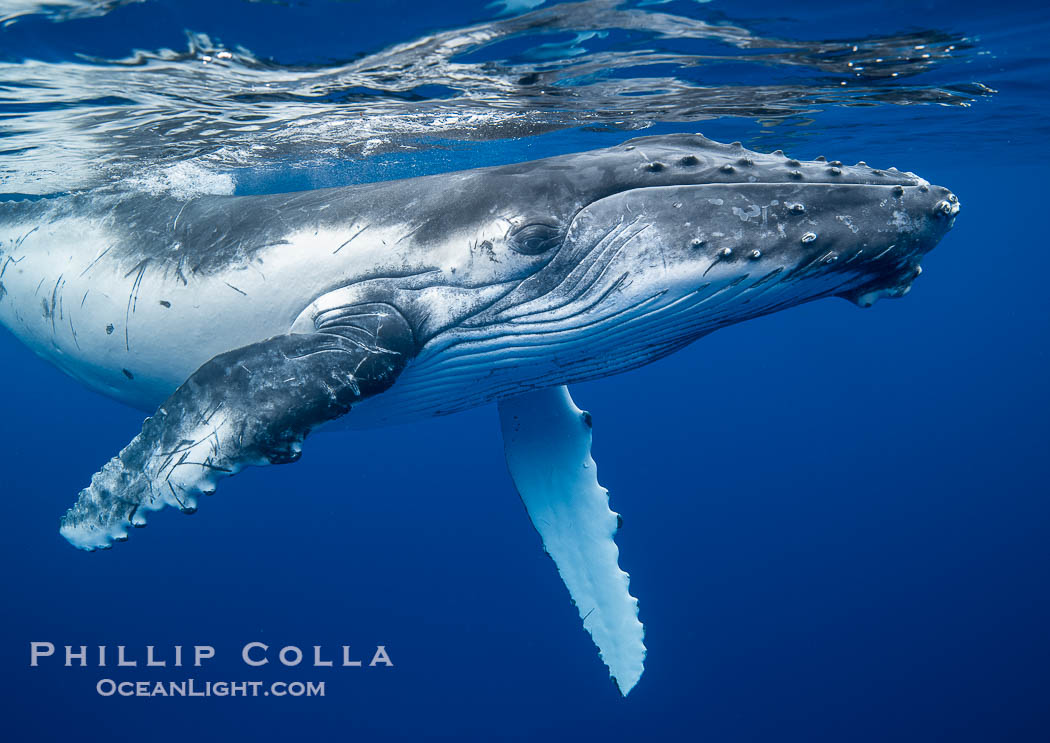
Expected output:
{"points": [[548, 445], [252, 405]]}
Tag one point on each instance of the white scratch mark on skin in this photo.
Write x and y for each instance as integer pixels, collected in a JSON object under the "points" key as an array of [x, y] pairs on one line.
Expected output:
{"points": [[175, 224], [884, 252]]}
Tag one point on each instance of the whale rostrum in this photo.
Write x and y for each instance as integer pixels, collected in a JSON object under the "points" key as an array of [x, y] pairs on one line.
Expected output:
{"points": [[246, 322]]}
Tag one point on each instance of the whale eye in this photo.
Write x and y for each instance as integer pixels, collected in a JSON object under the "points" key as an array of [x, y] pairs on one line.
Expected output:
{"points": [[534, 238]]}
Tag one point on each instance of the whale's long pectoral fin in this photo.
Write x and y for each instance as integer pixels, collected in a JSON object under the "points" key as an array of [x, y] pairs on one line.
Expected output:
{"points": [[548, 445], [250, 406]]}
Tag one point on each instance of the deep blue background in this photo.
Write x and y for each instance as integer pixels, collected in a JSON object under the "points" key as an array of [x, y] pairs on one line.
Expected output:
{"points": [[836, 520]]}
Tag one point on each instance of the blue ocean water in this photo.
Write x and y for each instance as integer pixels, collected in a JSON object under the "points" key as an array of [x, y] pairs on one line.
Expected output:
{"points": [[836, 520]]}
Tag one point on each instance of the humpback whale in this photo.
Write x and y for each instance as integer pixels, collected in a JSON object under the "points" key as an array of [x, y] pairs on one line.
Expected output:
{"points": [[243, 323]]}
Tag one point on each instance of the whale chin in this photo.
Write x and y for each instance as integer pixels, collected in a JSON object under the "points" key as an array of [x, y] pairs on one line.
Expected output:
{"points": [[866, 296]]}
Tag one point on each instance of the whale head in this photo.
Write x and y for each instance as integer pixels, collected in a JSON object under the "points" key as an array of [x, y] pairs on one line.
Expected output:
{"points": [[676, 236]]}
